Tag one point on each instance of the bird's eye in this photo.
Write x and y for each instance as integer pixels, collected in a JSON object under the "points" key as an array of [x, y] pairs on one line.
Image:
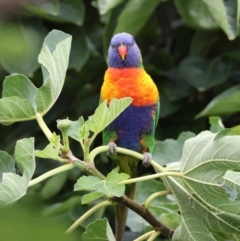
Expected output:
{"points": [[131, 44], [113, 46]]}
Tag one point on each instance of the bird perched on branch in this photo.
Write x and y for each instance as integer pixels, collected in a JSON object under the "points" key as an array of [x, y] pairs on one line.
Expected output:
{"points": [[134, 128]]}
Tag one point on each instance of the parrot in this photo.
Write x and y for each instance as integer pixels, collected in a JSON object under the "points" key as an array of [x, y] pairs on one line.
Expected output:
{"points": [[134, 128]]}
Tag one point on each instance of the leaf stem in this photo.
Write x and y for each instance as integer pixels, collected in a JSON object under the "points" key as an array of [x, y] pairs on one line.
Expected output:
{"points": [[145, 236], [157, 167], [87, 214], [86, 154], [43, 126], [155, 195], [153, 236], [96, 151], [140, 179], [55, 171], [100, 149]]}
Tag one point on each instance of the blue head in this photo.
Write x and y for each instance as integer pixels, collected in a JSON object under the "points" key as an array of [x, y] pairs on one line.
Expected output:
{"points": [[124, 52]]}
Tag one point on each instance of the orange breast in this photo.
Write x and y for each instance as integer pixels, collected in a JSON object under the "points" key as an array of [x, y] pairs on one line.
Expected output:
{"points": [[130, 82]]}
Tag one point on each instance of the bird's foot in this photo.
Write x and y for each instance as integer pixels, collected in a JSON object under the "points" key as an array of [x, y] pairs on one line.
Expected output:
{"points": [[112, 148], [147, 158]]}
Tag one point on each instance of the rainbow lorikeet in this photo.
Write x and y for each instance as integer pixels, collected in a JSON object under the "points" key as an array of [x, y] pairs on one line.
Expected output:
{"points": [[134, 128]]}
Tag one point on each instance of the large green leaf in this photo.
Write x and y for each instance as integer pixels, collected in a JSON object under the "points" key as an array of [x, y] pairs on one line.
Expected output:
{"points": [[100, 230], [14, 186], [21, 99], [135, 15], [228, 102], [204, 14], [202, 74], [203, 193], [64, 11]]}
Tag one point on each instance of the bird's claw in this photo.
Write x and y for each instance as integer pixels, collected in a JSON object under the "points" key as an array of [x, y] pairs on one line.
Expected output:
{"points": [[147, 158], [112, 148]]}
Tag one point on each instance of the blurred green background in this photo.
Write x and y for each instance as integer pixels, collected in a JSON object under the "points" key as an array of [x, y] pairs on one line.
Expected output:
{"points": [[190, 48]]}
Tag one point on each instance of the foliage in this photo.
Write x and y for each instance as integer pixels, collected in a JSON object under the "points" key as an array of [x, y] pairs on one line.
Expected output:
{"points": [[190, 48]]}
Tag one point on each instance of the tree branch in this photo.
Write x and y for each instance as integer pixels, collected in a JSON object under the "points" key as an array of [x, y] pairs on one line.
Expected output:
{"points": [[145, 214]]}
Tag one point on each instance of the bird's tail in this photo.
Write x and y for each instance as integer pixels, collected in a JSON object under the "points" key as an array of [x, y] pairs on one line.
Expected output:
{"points": [[121, 214]]}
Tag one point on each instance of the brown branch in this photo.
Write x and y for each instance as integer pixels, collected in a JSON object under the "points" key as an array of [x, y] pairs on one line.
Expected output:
{"points": [[145, 214], [88, 167]]}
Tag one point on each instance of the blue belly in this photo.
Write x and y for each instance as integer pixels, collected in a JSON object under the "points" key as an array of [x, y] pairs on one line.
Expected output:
{"points": [[132, 124]]}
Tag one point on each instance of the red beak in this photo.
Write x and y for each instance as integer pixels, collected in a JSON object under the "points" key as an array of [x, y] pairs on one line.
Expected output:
{"points": [[122, 50]]}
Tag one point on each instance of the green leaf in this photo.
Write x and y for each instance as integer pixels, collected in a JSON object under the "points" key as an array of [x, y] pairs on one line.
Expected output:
{"points": [[202, 74], [14, 186], [105, 114], [60, 208], [209, 15], [74, 130], [20, 56], [134, 15], [208, 201], [228, 102], [204, 163], [192, 227], [202, 41], [22, 88], [65, 11], [100, 230], [91, 197], [173, 86], [15, 109], [52, 150], [105, 5], [109, 187], [21, 99], [24, 157], [170, 150], [7, 163], [195, 13], [54, 185], [54, 60], [216, 124]]}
